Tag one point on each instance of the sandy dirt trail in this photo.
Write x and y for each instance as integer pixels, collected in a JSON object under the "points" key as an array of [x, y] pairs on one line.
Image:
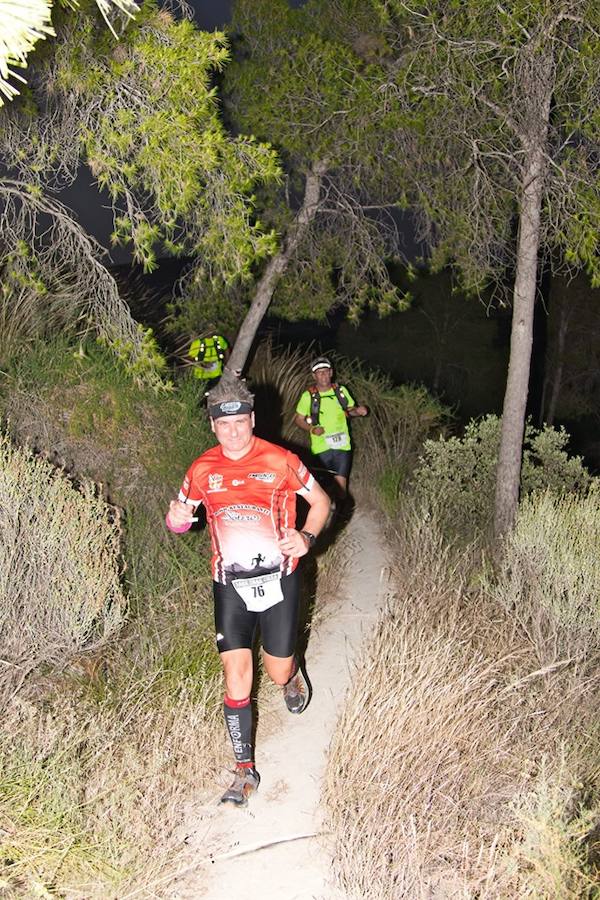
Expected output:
{"points": [[274, 848]]}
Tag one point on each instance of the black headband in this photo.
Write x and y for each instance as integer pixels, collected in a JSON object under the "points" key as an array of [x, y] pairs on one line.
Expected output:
{"points": [[229, 408]]}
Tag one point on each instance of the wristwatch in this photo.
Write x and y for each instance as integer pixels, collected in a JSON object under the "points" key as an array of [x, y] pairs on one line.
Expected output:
{"points": [[310, 537]]}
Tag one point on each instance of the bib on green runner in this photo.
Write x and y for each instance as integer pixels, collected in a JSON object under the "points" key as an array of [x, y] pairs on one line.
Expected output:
{"points": [[338, 441]]}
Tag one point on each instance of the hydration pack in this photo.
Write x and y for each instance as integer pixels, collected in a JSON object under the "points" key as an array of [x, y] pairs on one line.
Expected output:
{"points": [[315, 401], [203, 348]]}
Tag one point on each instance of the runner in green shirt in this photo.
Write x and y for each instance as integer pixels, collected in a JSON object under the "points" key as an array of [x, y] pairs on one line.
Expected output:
{"points": [[323, 410]]}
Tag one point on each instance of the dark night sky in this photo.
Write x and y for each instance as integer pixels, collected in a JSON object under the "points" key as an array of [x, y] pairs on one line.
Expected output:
{"points": [[211, 14]]}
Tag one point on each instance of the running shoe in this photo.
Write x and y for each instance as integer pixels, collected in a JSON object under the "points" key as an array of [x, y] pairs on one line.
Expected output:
{"points": [[295, 693], [245, 782]]}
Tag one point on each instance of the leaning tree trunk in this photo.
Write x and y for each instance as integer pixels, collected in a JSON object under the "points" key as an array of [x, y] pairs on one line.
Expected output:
{"points": [[508, 472], [274, 271]]}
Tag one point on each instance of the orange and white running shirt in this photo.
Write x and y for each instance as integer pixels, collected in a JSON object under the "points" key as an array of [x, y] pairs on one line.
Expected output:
{"points": [[248, 501]]}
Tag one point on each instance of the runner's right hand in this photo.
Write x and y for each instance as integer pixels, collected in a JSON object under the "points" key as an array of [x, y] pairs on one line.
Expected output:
{"points": [[317, 429], [180, 513]]}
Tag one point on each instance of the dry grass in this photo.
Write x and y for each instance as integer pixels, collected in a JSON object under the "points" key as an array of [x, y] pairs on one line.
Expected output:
{"points": [[451, 743], [22, 318], [59, 565], [98, 763], [91, 793], [388, 442], [279, 376]]}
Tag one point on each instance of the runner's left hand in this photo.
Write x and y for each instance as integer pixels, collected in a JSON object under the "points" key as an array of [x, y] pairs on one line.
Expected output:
{"points": [[292, 543]]}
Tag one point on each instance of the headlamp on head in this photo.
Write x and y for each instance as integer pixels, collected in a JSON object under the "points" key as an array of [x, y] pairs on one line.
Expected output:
{"points": [[229, 408]]}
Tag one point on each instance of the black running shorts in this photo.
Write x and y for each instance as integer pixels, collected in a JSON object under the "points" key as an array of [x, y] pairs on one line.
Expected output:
{"points": [[235, 626], [336, 461]]}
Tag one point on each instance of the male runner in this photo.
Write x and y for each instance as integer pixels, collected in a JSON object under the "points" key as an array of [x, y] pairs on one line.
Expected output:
{"points": [[248, 487], [323, 410]]}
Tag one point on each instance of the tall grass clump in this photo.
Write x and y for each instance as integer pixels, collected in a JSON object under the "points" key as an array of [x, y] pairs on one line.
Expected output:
{"points": [[455, 478], [459, 767], [278, 376], [387, 443], [60, 589], [549, 574]]}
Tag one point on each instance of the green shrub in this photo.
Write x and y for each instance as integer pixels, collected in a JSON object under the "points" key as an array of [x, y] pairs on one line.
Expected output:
{"points": [[59, 562], [455, 478], [550, 572], [556, 819]]}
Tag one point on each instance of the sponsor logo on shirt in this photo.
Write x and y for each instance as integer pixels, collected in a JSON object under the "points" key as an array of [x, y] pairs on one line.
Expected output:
{"points": [[234, 516], [237, 481], [263, 476], [215, 482], [243, 512]]}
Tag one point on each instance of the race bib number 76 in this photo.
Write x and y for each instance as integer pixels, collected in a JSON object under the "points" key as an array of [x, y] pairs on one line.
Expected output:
{"points": [[261, 592]]}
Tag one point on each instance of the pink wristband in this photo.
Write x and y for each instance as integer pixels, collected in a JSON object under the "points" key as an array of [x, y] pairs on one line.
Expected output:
{"points": [[177, 529]]}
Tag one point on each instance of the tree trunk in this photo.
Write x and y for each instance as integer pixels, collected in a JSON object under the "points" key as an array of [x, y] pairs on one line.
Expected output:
{"points": [[508, 472], [274, 271]]}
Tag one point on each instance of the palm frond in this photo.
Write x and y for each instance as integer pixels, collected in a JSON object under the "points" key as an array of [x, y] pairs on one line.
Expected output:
{"points": [[22, 24], [128, 7]]}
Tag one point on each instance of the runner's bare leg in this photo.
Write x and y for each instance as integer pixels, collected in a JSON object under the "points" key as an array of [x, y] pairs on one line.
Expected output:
{"points": [[342, 484], [237, 668], [280, 669]]}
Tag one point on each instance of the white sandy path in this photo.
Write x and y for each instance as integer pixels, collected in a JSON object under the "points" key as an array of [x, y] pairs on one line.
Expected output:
{"points": [[273, 849]]}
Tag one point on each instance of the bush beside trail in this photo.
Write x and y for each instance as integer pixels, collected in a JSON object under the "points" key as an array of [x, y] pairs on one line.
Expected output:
{"points": [[95, 775], [455, 477], [549, 575], [465, 762], [460, 766]]}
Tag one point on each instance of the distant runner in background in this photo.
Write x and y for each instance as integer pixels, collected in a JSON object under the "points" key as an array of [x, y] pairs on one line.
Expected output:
{"points": [[248, 487], [323, 410], [209, 354]]}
